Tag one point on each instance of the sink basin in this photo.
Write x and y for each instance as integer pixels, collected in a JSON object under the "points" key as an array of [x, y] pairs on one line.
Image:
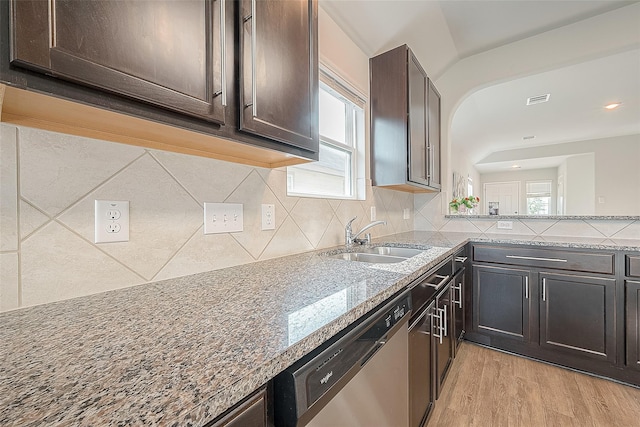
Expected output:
{"points": [[393, 251], [368, 257]]}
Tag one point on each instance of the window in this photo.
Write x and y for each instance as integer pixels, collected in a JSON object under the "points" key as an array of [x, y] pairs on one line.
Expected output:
{"points": [[335, 174], [538, 197]]}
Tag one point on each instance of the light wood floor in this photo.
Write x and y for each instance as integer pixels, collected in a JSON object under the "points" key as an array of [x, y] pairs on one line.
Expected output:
{"points": [[490, 388]]}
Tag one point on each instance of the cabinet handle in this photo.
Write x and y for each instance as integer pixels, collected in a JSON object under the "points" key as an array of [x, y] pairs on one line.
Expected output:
{"points": [[535, 258], [459, 289], [440, 283], [461, 259], [223, 51], [544, 289], [446, 332], [254, 105], [526, 287], [439, 327], [429, 161]]}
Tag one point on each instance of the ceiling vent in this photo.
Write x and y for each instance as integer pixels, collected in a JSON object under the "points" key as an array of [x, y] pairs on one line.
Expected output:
{"points": [[538, 99]]}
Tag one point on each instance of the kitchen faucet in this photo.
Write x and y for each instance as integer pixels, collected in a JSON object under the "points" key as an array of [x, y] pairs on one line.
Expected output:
{"points": [[350, 238]]}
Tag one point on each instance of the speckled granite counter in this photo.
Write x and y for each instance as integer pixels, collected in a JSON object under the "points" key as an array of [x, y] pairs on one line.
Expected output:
{"points": [[182, 351]]}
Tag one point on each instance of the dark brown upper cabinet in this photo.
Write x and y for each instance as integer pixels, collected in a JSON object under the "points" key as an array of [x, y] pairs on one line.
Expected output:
{"points": [[165, 52], [405, 123], [233, 80], [279, 71]]}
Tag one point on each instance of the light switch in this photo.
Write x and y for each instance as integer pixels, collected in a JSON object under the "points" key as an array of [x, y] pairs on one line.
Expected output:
{"points": [[223, 218], [406, 214], [373, 213]]}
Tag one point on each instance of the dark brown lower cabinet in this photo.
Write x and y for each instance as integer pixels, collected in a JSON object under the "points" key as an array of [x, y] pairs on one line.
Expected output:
{"points": [[632, 306], [586, 319], [501, 302], [577, 315], [421, 346], [443, 336]]}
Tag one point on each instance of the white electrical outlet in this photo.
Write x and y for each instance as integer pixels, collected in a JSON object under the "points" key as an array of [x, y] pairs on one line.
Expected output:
{"points": [[406, 214], [373, 213], [223, 218], [268, 217], [505, 225], [111, 221]]}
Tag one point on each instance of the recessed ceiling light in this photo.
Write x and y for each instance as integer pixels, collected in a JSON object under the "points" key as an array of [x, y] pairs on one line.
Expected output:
{"points": [[515, 167], [613, 105], [538, 99], [526, 138]]}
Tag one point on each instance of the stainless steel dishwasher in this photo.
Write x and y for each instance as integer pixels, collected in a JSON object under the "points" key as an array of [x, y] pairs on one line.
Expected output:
{"points": [[361, 379]]}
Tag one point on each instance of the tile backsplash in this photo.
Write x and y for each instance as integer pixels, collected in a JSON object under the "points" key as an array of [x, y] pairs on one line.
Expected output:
{"points": [[49, 183]]}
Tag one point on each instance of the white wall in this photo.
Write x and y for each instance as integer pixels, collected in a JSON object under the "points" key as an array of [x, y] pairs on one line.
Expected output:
{"points": [[599, 36], [580, 185], [522, 176], [616, 175]]}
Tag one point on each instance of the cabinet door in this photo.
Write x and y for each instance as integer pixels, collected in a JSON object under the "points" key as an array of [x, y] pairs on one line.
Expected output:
{"points": [[433, 165], [417, 122], [279, 71], [577, 315], [457, 307], [633, 324], [444, 341], [501, 302], [165, 52], [421, 392]]}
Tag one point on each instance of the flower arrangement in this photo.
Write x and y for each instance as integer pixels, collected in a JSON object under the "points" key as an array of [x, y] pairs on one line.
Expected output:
{"points": [[468, 202]]}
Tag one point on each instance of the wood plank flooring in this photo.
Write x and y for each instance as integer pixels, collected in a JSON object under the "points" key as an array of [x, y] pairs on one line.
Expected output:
{"points": [[489, 388]]}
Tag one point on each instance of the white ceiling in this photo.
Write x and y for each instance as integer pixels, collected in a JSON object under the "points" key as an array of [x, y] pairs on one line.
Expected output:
{"points": [[495, 118]]}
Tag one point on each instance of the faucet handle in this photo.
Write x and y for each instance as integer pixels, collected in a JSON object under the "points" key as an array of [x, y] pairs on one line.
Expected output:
{"points": [[348, 226]]}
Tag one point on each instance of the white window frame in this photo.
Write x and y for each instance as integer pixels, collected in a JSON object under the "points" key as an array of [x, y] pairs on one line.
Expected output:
{"points": [[354, 100], [549, 196]]}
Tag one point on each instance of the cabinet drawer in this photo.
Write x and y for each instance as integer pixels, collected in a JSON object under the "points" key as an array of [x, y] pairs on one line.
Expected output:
{"points": [[546, 258], [460, 259], [633, 265]]}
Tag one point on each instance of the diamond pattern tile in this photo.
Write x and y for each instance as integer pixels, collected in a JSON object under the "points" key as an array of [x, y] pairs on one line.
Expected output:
{"points": [[56, 170], [162, 216], [205, 252], [58, 265], [312, 216], [252, 193], [8, 189], [30, 219], [208, 180]]}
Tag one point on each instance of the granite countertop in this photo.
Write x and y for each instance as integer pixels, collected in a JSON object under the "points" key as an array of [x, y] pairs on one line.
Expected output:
{"points": [[182, 351]]}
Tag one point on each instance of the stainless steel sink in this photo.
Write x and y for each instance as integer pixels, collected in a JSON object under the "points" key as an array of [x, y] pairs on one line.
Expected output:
{"points": [[393, 251], [367, 257], [380, 254]]}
